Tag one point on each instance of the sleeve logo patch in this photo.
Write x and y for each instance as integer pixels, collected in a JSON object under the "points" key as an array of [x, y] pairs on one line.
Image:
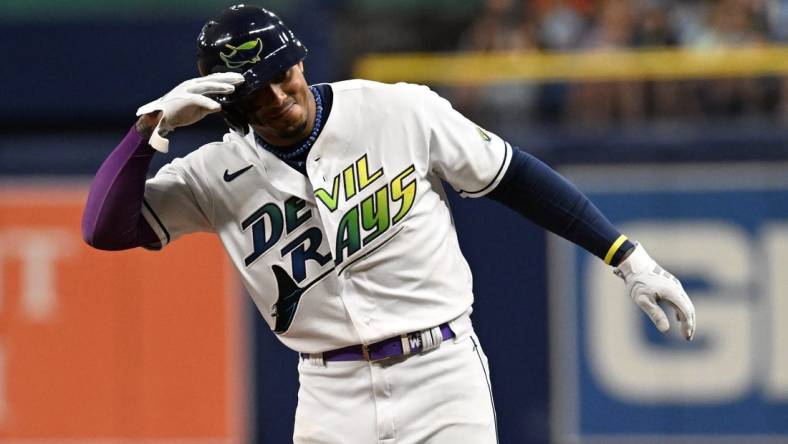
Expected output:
{"points": [[242, 54], [486, 137]]}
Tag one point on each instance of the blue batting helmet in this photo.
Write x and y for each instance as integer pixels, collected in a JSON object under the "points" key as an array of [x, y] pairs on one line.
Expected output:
{"points": [[249, 40]]}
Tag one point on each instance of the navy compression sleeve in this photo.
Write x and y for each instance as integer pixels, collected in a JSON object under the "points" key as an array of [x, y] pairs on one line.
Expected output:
{"points": [[539, 193], [113, 219]]}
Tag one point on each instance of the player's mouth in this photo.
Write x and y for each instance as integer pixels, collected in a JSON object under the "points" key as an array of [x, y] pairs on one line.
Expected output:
{"points": [[279, 113]]}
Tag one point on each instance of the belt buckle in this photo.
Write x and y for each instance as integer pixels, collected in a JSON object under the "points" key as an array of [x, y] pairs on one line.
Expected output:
{"points": [[405, 339], [365, 354]]}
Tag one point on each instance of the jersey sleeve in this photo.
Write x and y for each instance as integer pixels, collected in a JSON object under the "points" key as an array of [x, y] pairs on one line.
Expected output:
{"points": [[174, 204], [471, 159]]}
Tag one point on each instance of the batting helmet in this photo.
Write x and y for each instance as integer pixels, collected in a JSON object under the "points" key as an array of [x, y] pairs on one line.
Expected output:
{"points": [[249, 40]]}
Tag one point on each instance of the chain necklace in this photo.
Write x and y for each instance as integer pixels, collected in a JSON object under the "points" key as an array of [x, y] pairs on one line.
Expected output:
{"points": [[307, 144]]}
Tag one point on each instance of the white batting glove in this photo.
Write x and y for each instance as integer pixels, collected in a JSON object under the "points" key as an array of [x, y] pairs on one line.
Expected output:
{"points": [[648, 284], [187, 103]]}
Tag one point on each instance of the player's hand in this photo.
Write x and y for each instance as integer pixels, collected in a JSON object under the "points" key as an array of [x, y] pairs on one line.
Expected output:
{"points": [[187, 103], [648, 284]]}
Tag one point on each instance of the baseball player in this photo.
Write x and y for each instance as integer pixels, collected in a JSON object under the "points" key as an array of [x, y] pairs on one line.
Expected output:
{"points": [[328, 199]]}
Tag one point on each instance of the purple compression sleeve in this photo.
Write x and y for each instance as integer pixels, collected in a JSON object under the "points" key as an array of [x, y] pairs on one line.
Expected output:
{"points": [[113, 214]]}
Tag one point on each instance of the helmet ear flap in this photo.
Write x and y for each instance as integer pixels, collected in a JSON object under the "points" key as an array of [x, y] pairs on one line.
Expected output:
{"points": [[235, 119]]}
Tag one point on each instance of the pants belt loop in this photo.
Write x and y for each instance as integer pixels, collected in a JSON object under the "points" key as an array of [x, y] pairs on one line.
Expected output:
{"points": [[431, 338], [316, 359], [405, 344]]}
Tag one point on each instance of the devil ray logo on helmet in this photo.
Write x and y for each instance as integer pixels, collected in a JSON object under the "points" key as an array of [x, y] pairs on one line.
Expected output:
{"points": [[251, 39], [242, 54]]}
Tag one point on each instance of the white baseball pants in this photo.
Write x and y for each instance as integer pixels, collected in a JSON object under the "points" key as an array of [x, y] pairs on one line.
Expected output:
{"points": [[441, 396]]}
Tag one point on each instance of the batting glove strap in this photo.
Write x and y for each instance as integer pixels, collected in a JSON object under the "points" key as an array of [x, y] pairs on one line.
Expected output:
{"points": [[648, 284]]}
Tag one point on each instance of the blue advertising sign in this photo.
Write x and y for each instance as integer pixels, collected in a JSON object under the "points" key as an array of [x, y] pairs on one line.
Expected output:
{"points": [[723, 231]]}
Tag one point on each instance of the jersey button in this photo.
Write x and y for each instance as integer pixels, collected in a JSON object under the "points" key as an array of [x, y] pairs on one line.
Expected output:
{"points": [[367, 320]]}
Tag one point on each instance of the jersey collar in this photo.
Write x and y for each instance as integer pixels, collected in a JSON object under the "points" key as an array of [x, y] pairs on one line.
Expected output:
{"points": [[279, 174]]}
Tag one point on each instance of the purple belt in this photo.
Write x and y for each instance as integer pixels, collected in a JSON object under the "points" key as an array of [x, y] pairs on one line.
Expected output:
{"points": [[387, 348]]}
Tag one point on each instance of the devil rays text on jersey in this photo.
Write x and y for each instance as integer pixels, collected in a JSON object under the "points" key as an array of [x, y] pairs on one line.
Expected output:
{"points": [[302, 248]]}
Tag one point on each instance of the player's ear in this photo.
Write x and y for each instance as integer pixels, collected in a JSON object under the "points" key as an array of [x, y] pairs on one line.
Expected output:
{"points": [[301, 66]]}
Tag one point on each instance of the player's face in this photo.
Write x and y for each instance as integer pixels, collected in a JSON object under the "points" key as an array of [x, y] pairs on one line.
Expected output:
{"points": [[282, 112]]}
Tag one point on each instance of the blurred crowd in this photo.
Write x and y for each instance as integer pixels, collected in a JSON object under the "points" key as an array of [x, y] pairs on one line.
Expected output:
{"points": [[560, 25]]}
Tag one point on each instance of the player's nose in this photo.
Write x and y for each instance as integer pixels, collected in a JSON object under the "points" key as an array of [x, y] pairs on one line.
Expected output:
{"points": [[274, 95]]}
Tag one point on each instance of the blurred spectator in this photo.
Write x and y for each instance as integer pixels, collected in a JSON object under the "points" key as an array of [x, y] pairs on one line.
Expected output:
{"points": [[733, 23], [502, 25], [656, 27], [600, 102], [619, 24], [777, 19], [666, 100], [688, 18], [561, 23]]}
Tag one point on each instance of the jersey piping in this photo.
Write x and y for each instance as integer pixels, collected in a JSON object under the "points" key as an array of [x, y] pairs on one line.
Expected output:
{"points": [[498, 175], [155, 223]]}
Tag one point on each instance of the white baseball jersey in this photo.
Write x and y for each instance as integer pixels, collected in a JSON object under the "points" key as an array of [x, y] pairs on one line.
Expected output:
{"points": [[362, 249]]}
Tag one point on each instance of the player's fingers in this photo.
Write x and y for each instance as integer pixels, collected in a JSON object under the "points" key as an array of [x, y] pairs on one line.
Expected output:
{"points": [[679, 300], [148, 108], [232, 78], [688, 323], [684, 308], [207, 103], [647, 303], [686, 320], [211, 88], [688, 328]]}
